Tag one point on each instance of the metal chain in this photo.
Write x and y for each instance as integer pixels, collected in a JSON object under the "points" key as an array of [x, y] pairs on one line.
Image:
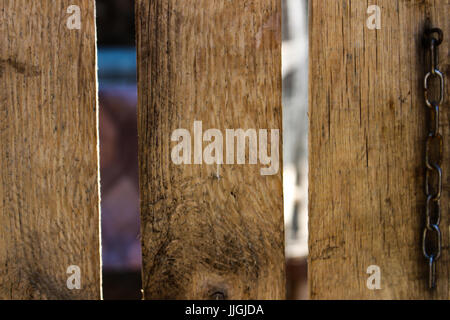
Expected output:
{"points": [[432, 238]]}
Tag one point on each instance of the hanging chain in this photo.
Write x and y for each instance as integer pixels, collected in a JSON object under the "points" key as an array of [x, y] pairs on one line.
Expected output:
{"points": [[432, 238]]}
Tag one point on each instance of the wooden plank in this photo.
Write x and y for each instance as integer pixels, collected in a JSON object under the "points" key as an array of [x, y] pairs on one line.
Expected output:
{"points": [[367, 137], [49, 199], [209, 231]]}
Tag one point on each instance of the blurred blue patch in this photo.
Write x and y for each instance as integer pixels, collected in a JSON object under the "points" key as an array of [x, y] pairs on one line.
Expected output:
{"points": [[116, 66]]}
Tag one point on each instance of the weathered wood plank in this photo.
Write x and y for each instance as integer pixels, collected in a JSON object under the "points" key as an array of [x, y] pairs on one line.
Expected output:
{"points": [[209, 231], [367, 135], [49, 200]]}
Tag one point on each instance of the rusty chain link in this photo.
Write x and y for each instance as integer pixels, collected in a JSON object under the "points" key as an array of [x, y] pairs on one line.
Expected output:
{"points": [[432, 238]]}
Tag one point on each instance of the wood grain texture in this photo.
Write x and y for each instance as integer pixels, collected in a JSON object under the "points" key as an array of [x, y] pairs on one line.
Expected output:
{"points": [[207, 231], [367, 142], [49, 200]]}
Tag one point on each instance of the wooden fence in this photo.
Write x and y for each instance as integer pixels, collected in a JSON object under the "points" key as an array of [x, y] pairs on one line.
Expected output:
{"points": [[49, 189], [208, 231], [215, 231], [367, 140]]}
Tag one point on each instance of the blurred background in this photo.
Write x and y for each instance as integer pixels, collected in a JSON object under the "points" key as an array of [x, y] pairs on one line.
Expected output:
{"points": [[118, 147]]}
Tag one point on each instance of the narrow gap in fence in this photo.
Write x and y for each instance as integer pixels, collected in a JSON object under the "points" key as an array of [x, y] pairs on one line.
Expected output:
{"points": [[118, 148]]}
